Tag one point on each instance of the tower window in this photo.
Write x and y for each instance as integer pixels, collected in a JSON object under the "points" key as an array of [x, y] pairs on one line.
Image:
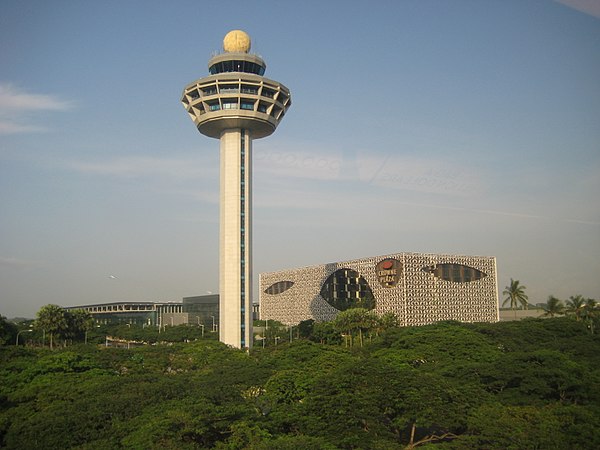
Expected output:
{"points": [[275, 111], [236, 66], [249, 89], [229, 89], [230, 104]]}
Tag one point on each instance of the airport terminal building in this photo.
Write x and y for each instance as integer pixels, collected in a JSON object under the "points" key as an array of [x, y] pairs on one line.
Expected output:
{"points": [[419, 288], [197, 310]]}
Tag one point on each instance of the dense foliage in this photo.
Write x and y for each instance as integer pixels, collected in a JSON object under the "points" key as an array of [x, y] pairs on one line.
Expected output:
{"points": [[8, 331], [531, 384]]}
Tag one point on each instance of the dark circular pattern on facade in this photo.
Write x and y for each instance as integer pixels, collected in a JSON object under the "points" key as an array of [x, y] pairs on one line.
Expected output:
{"points": [[345, 289]]}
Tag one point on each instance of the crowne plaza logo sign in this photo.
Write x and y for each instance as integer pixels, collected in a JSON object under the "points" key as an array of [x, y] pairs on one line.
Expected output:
{"points": [[388, 272]]}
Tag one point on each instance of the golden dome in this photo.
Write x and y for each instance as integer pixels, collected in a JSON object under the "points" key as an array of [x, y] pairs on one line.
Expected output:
{"points": [[236, 41]]}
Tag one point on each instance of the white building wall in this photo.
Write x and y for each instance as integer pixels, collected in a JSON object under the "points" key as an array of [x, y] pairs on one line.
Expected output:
{"points": [[418, 298]]}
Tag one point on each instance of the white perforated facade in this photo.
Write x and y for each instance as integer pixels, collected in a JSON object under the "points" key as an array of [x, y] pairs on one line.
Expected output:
{"points": [[418, 288]]}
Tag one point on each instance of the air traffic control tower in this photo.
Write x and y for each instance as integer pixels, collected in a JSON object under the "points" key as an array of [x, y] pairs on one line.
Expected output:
{"points": [[236, 105]]}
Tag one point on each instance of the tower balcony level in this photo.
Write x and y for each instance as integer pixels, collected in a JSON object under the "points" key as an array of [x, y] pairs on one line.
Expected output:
{"points": [[231, 100]]}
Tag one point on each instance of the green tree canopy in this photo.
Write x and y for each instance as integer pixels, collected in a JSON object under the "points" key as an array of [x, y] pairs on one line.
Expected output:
{"points": [[81, 320], [522, 384], [52, 319], [8, 331], [355, 321]]}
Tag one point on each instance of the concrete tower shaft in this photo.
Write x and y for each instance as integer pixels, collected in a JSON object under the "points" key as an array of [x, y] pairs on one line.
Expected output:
{"points": [[236, 104]]}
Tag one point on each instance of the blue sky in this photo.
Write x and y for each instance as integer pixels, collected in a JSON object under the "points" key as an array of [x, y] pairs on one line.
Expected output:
{"points": [[469, 127]]}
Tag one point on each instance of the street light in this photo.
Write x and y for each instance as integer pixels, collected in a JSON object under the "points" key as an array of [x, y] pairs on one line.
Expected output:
{"points": [[213, 327], [18, 333]]}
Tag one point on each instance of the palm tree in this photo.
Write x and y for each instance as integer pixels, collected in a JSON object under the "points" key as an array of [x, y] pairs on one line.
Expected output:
{"points": [[554, 306], [81, 322], [51, 319], [515, 294], [576, 305], [590, 313], [355, 320]]}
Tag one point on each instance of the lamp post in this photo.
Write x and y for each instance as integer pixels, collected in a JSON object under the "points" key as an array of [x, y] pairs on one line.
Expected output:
{"points": [[18, 333], [213, 327], [200, 325]]}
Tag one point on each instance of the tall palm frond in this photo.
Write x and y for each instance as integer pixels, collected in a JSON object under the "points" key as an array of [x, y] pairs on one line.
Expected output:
{"points": [[515, 294], [554, 306], [576, 306]]}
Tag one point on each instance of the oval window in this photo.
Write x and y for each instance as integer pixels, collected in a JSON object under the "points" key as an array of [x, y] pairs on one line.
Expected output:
{"points": [[279, 287], [457, 273]]}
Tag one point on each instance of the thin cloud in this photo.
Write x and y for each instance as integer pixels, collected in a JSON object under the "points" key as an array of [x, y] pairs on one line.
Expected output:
{"points": [[141, 167], [591, 7], [420, 175], [302, 196], [14, 99], [16, 106], [289, 162], [430, 175], [16, 263], [506, 213], [9, 127]]}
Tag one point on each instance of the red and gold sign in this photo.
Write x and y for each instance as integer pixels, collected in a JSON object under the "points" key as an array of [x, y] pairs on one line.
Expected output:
{"points": [[388, 272]]}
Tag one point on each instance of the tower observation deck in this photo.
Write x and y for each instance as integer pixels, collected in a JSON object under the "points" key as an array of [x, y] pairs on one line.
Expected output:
{"points": [[236, 105]]}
